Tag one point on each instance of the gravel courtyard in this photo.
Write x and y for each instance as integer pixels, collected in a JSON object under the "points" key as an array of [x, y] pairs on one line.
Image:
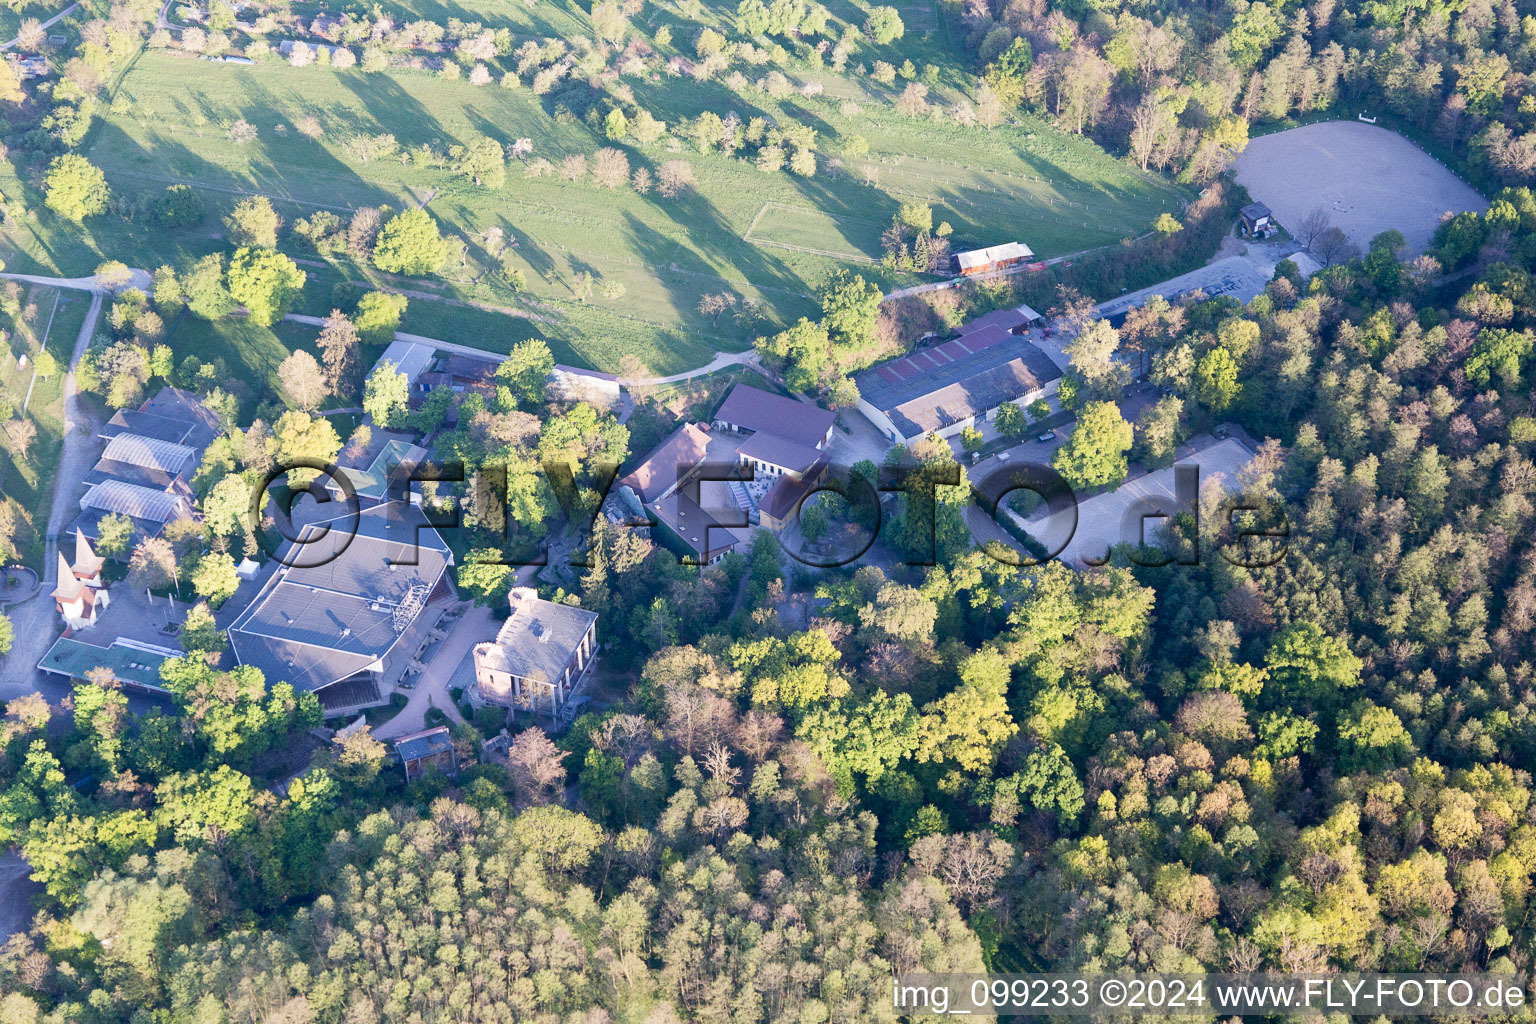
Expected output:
{"points": [[1367, 179], [1102, 518]]}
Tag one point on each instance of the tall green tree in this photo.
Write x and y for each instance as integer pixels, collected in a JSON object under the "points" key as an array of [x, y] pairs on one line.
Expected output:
{"points": [[410, 243], [386, 395], [266, 282], [1095, 453], [75, 188]]}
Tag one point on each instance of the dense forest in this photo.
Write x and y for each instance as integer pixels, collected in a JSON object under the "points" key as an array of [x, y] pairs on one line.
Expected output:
{"points": [[1315, 764], [1177, 86]]}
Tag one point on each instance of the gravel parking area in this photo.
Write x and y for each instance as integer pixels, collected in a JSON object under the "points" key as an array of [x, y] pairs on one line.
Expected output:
{"points": [[1101, 520], [1366, 178]]}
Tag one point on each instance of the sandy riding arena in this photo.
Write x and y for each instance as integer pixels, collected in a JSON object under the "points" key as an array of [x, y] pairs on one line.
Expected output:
{"points": [[1367, 179]]}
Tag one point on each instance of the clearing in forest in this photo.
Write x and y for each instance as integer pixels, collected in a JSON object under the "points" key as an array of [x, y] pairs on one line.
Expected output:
{"points": [[1367, 179]]}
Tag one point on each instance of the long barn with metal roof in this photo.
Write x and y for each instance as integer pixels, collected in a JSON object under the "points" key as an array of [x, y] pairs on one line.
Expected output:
{"points": [[146, 470], [945, 388]]}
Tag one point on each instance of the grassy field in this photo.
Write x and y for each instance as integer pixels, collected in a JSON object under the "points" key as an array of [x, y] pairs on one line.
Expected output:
{"points": [[801, 229], [11, 18], [29, 481], [652, 258]]}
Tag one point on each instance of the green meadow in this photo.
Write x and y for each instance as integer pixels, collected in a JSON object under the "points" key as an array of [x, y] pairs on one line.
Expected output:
{"points": [[768, 237]]}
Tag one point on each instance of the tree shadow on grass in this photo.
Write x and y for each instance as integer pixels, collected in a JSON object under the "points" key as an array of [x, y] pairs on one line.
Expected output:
{"points": [[393, 108]]}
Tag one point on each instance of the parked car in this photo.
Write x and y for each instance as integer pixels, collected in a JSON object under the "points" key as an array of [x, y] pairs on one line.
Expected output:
{"points": [[1049, 435], [1002, 456]]}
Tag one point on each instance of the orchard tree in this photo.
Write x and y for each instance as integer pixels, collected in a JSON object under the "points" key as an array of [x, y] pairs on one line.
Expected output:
{"points": [[265, 282], [75, 188], [482, 161], [253, 222], [410, 243], [884, 25]]}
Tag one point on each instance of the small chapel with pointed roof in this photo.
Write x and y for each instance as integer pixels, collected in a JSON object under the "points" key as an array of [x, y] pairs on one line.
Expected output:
{"points": [[81, 593]]}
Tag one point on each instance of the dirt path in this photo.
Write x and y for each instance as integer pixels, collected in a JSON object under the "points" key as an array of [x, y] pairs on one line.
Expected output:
{"points": [[140, 279], [720, 362], [1022, 268]]}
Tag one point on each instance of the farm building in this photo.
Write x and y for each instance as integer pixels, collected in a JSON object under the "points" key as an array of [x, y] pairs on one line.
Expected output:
{"points": [[348, 617], [28, 65], [428, 367], [670, 464], [409, 358], [696, 533], [781, 504], [540, 657], [145, 472], [944, 389], [751, 410], [574, 384], [1258, 222], [996, 257]]}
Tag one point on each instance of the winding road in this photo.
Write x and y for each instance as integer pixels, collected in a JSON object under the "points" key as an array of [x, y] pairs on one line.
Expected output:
{"points": [[33, 620]]}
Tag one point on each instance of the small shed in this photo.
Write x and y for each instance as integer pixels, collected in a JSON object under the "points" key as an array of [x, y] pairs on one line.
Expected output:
{"points": [[1258, 222], [420, 752], [248, 569]]}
